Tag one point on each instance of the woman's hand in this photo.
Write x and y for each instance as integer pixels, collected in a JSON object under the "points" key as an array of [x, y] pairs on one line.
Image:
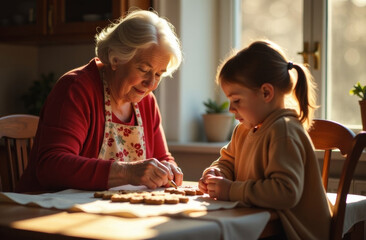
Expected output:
{"points": [[149, 172], [176, 173], [209, 172], [219, 187]]}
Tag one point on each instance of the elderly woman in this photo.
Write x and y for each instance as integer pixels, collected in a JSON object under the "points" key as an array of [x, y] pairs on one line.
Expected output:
{"points": [[100, 126]]}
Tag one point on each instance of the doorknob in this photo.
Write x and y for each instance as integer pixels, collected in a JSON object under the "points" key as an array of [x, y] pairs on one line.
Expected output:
{"points": [[315, 54], [305, 53]]}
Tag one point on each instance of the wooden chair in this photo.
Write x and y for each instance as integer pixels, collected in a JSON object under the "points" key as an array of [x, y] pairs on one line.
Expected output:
{"points": [[18, 131], [329, 135]]}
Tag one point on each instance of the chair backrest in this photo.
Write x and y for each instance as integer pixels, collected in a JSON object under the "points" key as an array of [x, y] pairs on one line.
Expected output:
{"points": [[18, 130], [329, 135]]}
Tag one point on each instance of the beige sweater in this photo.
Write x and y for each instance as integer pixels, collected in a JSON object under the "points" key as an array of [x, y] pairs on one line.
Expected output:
{"points": [[276, 167]]}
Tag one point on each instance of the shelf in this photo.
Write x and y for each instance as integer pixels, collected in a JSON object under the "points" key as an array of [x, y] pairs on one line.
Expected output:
{"points": [[48, 22]]}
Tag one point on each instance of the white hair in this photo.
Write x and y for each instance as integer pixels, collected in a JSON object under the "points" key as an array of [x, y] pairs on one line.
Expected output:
{"points": [[138, 30]]}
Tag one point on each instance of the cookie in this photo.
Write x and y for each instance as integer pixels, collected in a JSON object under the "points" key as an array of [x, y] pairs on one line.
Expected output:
{"points": [[183, 199], [137, 199], [171, 200], [98, 194], [120, 197], [108, 194], [169, 190], [162, 194], [190, 192], [199, 192], [178, 191], [154, 200]]}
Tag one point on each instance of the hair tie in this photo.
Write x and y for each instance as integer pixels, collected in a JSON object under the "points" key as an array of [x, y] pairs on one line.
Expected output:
{"points": [[290, 65]]}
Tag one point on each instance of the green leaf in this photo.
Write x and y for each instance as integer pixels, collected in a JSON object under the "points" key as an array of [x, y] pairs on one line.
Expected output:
{"points": [[37, 93], [224, 106], [359, 90], [214, 107]]}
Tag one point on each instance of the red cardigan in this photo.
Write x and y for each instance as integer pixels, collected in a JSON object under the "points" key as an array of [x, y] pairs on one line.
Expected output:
{"points": [[70, 134]]}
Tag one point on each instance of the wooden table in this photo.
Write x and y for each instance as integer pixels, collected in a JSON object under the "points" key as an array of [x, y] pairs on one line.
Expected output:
{"points": [[26, 222]]}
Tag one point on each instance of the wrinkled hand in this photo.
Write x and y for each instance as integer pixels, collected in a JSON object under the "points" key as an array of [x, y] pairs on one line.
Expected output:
{"points": [[219, 187], [174, 171], [209, 172], [150, 172]]}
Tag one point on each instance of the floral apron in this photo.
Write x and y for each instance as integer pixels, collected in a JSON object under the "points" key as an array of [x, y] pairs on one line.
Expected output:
{"points": [[121, 142]]}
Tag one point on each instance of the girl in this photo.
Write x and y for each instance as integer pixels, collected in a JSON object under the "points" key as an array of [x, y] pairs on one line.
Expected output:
{"points": [[270, 160]]}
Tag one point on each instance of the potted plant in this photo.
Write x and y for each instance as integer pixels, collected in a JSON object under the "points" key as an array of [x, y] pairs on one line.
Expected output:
{"points": [[360, 91], [37, 93], [217, 121]]}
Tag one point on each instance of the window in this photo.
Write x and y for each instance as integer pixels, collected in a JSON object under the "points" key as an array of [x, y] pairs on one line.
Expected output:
{"points": [[346, 57], [338, 26], [280, 21]]}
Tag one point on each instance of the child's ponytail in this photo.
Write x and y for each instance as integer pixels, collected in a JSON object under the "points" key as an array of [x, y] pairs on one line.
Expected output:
{"points": [[305, 94]]}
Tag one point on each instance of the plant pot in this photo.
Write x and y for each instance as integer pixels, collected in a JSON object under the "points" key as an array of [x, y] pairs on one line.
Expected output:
{"points": [[217, 126], [363, 113]]}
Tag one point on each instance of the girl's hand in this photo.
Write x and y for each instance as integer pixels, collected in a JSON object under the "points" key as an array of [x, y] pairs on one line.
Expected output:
{"points": [[175, 173], [202, 185], [219, 187]]}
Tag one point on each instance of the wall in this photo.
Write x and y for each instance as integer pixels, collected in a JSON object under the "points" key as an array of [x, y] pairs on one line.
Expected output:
{"points": [[181, 99], [62, 58], [21, 65], [193, 164], [199, 23], [194, 157]]}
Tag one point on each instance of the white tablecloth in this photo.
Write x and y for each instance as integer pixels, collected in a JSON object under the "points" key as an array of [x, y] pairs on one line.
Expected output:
{"points": [[249, 226], [355, 209], [77, 200], [241, 227]]}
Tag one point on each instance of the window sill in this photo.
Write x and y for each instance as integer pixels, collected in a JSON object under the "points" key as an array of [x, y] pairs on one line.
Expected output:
{"points": [[196, 147], [214, 147]]}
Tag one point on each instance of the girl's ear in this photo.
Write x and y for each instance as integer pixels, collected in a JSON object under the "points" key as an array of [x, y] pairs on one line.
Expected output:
{"points": [[267, 91]]}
